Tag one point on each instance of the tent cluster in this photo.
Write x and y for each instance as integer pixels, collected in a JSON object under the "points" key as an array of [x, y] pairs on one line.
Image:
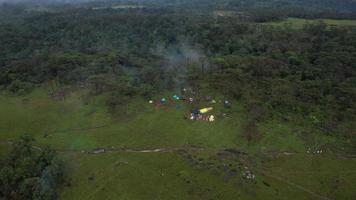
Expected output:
{"points": [[164, 100], [248, 175], [200, 114]]}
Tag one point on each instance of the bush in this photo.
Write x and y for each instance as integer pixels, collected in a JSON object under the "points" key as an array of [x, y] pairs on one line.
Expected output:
{"points": [[19, 87]]}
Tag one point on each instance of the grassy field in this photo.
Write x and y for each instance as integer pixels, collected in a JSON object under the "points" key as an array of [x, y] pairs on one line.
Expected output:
{"points": [[299, 22], [77, 123], [169, 176], [73, 124]]}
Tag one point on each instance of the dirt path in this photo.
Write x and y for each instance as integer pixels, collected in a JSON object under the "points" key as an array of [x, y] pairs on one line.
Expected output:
{"points": [[101, 150], [147, 150], [123, 150]]}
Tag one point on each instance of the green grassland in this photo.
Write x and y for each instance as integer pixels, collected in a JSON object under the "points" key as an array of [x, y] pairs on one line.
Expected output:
{"points": [[168, 176], [73, 124], [300, 22], [77, 123]]}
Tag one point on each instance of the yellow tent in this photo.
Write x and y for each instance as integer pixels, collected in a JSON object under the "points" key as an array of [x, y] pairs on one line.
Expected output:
{"points": [[205, 110]]}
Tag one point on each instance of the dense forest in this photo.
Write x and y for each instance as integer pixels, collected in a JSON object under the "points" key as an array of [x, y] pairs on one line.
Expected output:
{"points": [[303, 75], [310, 71]]}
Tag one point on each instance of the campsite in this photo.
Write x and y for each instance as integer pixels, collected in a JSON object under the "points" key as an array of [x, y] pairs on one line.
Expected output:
{"points": [[178, 100]]}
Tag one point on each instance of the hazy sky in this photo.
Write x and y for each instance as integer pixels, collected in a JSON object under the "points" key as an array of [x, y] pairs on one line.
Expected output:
{"points": [[41, 1]]}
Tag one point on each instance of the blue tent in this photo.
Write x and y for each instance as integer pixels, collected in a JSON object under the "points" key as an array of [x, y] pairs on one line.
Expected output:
{"points": [[176, 97], [195, 111]]}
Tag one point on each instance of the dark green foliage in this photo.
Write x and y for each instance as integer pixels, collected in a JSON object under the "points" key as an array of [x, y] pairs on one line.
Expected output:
{"points": [[29, 173], [19, 87], [274, 71]]}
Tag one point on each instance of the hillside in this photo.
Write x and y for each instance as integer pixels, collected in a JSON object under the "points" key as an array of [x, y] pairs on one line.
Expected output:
{"points": [[177, 100]]}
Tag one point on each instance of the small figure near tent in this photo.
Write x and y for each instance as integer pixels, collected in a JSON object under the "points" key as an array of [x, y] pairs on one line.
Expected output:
{"points": [[227, 104], [192, 117], [211, 118], [163, 100], [191, 99]]}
